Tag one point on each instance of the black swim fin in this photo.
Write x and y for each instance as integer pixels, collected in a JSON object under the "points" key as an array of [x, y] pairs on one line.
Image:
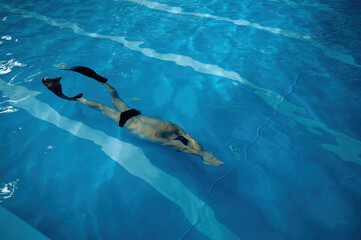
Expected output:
{"points": [[87, 72], [55, 86]]}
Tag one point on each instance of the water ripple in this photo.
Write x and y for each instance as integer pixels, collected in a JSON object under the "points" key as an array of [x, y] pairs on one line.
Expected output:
{"points": [[6, 66], [241, 22]]}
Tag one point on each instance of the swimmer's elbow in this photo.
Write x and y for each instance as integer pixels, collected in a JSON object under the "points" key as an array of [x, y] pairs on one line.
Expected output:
{"points": [[175, 144]]}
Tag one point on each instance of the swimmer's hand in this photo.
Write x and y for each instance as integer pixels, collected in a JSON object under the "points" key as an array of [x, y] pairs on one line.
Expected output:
{"points": [[210, 159]]}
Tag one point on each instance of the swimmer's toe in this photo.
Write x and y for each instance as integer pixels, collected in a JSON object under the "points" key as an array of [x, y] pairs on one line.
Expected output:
{"points": [[87, 72]]}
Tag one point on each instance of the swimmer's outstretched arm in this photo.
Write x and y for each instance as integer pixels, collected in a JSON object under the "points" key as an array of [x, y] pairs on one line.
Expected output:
{"points": [[177, 145], [208, 158]]}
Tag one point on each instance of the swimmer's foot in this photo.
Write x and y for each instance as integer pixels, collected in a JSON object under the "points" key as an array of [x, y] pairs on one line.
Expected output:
{"points": [[87, 72], [55, 86]]}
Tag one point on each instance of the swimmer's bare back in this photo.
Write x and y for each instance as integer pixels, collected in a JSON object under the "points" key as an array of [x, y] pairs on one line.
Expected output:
{"points": [[155, 130]]}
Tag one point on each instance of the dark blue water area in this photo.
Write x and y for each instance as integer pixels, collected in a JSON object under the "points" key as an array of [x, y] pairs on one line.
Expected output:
{"points": [[306, 190], [333, 100], [287, 184]]}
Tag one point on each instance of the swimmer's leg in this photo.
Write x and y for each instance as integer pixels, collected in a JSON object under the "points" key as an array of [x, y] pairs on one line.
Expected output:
{"points": [[116, 101], [107, 111]]}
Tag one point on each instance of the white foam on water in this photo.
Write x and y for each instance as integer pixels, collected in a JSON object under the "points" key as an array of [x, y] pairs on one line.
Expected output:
{"points": [[347, 148], [286, 33], [8, 109], [6, 37], [130, 157], [7, 190], [6, 66]]}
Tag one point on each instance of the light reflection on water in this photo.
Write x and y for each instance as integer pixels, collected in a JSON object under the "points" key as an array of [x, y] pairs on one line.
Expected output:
{"points": [[7, 190]]}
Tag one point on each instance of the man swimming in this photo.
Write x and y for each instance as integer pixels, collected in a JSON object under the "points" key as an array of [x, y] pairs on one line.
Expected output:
{"points": [[155, 130]]}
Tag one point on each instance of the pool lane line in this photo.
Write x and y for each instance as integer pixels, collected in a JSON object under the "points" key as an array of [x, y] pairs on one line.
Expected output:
{"points": [[346, 147], [170, 187], [345, 58]]}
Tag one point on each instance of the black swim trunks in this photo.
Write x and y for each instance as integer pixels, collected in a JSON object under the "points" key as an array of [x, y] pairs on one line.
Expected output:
{"points": [[124, 116]]}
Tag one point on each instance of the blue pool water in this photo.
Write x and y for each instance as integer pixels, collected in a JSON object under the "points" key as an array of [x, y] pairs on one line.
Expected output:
{"points": [[271, 87]]}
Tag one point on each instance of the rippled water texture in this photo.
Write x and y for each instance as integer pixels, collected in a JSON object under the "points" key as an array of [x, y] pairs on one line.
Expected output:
{"points": [[270, 87]]}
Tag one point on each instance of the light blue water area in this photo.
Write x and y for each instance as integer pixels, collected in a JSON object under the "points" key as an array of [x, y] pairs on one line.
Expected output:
{"points": [[270, 87]]}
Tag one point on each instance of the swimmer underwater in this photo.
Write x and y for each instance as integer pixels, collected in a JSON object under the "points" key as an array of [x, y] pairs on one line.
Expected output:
{"points": [[155, 130]]}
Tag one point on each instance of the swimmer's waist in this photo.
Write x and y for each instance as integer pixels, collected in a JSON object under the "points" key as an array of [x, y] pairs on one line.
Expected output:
{"points": [[126, 115]]}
